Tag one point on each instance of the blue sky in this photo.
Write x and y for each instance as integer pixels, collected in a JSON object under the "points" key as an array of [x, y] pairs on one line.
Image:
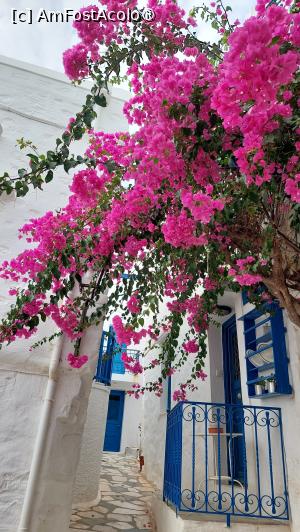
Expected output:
{"points": [[42, 44]]}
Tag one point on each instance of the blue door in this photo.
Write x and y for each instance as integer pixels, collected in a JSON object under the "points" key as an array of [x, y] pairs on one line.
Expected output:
{"points": [[112, 440], [233, 395]]}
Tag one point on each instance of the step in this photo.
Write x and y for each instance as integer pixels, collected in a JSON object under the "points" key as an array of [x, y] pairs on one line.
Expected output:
{"points": [[167, 521]]}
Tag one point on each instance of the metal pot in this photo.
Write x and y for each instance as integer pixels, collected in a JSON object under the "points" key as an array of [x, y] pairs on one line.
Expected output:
{"points": [[272, 386], [258, 389]]}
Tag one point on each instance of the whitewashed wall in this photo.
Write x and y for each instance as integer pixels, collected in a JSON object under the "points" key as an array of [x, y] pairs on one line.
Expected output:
{"points": [[133, 410], [155, 416], [86, 488], [131, 421], [36, 104], [290, 405], [133, 413], [213, 391]]}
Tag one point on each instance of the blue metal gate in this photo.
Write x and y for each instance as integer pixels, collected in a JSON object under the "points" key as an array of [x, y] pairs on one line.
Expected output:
{"points": [[200, 478]]}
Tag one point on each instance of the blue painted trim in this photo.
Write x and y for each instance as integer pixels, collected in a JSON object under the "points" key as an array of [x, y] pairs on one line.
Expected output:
{"points": [[118, 364], [276, 339], [245, 299], [193, 493], [105, 357], [114, 428], [233, 394], [227, 369], [169, 402]]}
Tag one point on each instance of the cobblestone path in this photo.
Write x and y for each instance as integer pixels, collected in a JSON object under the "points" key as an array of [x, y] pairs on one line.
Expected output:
{"points": [[124, 501]]}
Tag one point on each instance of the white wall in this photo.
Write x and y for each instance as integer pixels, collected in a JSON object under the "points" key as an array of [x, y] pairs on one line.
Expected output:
{"points": [[53, 497], [36, 104], [213, 391], [86, 488], [155, 417], [131, 420], [290, 405], [133, 413], [35, 107], [21, 402]]}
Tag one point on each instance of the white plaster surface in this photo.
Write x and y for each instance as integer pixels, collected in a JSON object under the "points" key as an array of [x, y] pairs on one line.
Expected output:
{"points": [[290, 406], [212, 390], [21, 402], [36, 104], [86, 488], [155, 414], [131, 420], [166, 521]]}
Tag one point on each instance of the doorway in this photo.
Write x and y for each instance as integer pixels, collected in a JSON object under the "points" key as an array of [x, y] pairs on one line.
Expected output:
{"points": [[233, 393], [113, 432]]}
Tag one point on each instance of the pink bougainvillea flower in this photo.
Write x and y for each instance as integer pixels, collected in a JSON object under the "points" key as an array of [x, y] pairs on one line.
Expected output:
{"points": [[191, 346], [77, 361]]}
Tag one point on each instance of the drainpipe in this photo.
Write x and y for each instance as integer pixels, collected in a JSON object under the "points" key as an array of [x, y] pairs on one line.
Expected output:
{"points": [[41, 440]]}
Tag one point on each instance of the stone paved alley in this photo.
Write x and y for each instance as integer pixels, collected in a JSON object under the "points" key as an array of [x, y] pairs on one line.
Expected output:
{"points": [[124, 503]]}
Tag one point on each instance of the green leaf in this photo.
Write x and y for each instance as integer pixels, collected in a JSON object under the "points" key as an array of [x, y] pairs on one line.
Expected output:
{"points": [[78, 132], [100, 99], [49, 176], [22, 172], [70, 163]]}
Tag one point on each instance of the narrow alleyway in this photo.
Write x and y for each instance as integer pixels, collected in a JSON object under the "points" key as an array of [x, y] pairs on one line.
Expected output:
{"points": [[124, 502]]}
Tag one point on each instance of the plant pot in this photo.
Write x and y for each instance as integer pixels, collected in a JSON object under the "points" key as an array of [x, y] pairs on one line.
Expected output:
{"points": [[271, 386], [259, 390], [215, 430]]}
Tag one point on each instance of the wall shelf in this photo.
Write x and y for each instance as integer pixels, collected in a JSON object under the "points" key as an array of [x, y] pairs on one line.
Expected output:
{"points": [[265, 367], [258, 351], [264, 334], [271, 394]]}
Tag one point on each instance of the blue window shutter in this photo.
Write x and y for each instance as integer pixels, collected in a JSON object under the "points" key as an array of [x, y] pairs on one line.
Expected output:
{"points": [[105, 360], [280, 353], [118, 364], [245, 299]]}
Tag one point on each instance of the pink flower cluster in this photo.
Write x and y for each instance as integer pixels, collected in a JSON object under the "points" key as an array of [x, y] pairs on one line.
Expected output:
{"points": [[241, 273], [75, 62], [181, 393], [133, 305], [180, 231], [255, 81], [292, 188], [87, 185], [126, 335], [202, 206], [94, 31], [131, 364], [191, 346], [77, 361], [166, 189]]}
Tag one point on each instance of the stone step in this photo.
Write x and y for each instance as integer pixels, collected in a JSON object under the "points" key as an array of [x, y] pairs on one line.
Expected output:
{"points": [[167, 521]]}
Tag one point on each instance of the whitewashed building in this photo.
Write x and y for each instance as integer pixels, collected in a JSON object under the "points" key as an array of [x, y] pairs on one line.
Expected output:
{"points": [[228, 455], [231, 456], [44, 402]]}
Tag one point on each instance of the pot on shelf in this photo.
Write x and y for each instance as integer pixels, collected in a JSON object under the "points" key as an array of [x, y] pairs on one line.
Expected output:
{"points": [[272, 386], [259, 389], [215, 430]]}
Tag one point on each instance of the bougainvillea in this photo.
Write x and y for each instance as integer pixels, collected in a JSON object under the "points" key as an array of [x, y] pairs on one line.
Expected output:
{"points": [[203, 195]]}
